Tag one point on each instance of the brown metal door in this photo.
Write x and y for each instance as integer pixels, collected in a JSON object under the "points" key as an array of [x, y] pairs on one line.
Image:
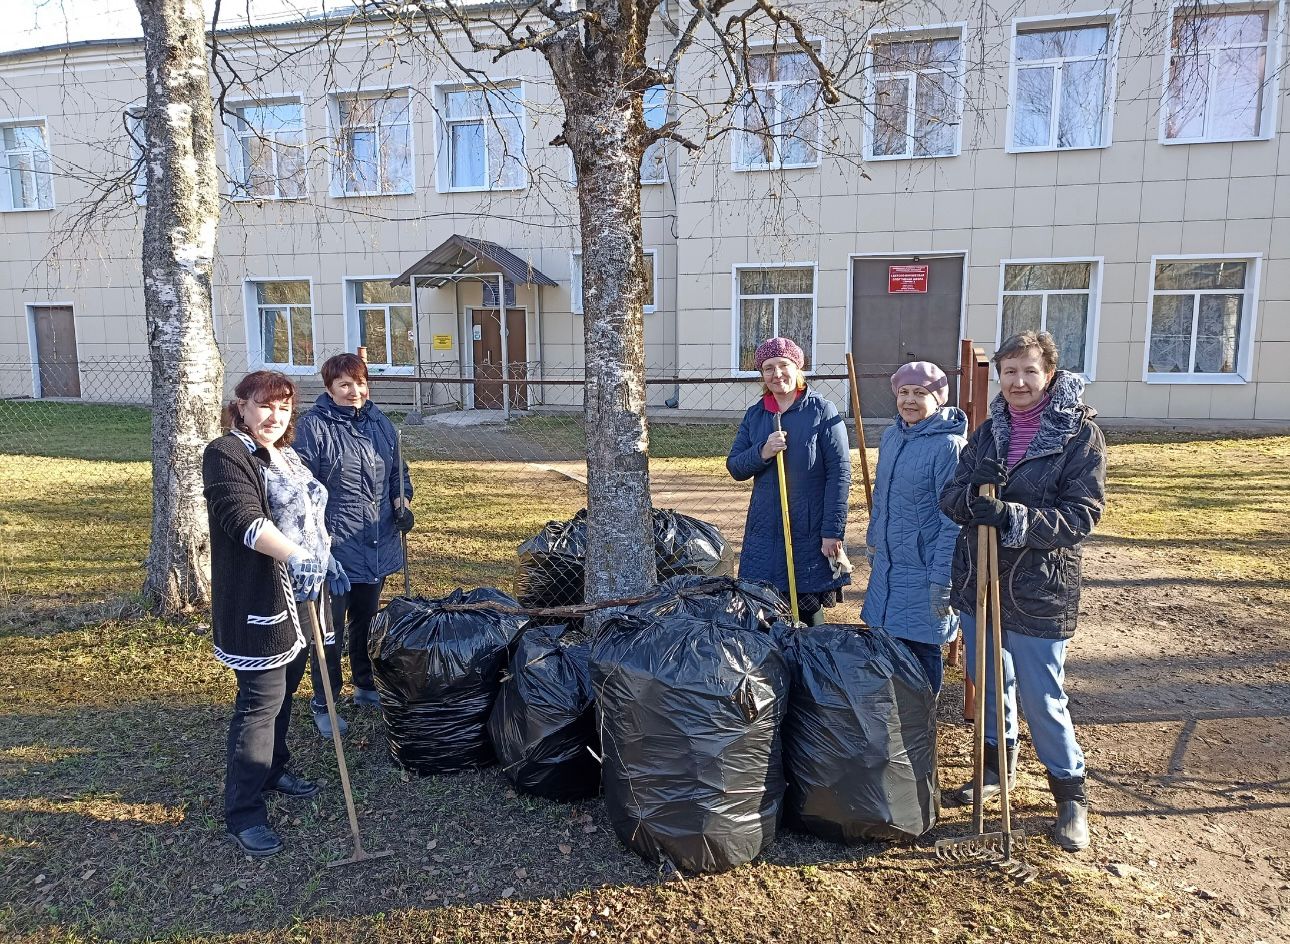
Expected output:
{"points": [[56, 360], [891, 328], [487, 354]]}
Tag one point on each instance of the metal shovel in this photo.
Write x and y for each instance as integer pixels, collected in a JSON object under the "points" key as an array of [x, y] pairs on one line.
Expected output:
{"points": [[360, 854]]}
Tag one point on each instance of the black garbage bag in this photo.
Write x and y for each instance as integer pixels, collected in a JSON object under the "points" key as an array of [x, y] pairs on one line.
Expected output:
{"points": [[551, 566], [438, 666], [860, 737], [685, 545], [544, 722], [689, 714], [734, 604]]}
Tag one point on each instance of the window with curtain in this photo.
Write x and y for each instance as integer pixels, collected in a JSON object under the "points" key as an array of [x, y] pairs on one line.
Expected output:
{"points": [[482, 138], [915, 104], [284, 323], [384, 314], [778, 119], [28, 181], [1198, 313], [1218, 72], [1061, 87], [267, 151], [1056, 297], [775, 302], [375, 143]]}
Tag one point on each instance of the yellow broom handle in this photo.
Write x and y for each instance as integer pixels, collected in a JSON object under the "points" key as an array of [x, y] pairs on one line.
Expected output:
{"points": [[788, 533]]}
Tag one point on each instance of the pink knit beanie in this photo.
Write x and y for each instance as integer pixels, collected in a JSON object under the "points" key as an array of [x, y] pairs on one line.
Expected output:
{"points": [[923, 374], [778, 347]]}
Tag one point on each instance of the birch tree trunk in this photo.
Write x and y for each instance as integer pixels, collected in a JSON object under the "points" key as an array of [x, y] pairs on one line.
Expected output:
{"points": [[178, 256], [604, 128]]}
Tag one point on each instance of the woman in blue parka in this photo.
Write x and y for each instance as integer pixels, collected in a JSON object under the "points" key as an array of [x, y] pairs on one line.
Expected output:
{"points": [[818, 467], [910, 542], [350, 446]]}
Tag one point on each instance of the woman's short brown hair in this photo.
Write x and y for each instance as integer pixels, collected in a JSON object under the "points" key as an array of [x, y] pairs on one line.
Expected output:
{"points": [[343, 365], [1019, 344], [262, 386]]}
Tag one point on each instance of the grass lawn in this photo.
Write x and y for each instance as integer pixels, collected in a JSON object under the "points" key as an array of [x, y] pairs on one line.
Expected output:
{"points": [[112, 727]]}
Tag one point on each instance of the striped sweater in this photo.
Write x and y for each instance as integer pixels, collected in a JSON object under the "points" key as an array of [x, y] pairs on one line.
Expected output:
{"points": [[253, 614]]}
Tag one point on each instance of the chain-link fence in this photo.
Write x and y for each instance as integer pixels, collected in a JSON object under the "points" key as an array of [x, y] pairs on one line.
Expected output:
{"points": [[498, 463]]}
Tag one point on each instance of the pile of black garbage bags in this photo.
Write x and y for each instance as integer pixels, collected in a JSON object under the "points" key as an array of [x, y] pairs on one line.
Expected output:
{"points": [[703, 713], [551, 565]]}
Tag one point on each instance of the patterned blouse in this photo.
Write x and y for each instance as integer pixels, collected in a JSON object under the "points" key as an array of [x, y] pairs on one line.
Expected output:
{"points": [[297, 502]]}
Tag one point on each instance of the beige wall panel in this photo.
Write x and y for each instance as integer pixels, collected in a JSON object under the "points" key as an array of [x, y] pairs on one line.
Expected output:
{"points": [[1147, 401], [1123, 162], [1108, 398], [1209, 161], [1251, 198], [1163, 200], [1076, 203], [1034, 206], [1079, 167], [1272, 401], [1206, 199], [1203, 236], [1190, 401], [1233, 402], [1074, 241]]}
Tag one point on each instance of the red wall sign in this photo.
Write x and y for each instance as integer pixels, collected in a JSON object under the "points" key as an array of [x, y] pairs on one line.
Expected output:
{"points": [[904, 279]]}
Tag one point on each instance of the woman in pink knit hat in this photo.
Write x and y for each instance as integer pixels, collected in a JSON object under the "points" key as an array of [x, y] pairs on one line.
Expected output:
{"points": [[817, 459]]}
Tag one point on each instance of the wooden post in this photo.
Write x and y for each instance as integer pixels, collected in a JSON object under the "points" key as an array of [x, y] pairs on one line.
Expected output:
{"points": [[860, 443], [979, 409]]}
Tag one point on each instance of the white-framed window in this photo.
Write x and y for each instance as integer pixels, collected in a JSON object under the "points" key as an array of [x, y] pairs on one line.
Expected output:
{"points": [[280, 324], [1062, 87], [651, 281], [654, 163], [481, 137], [915, 100], [778, 120], [28, 183], [1220, 75], [136, 129], [774, 301], [266, 150], [380, 319], [1201, 318], [373, 143], [1059, 296]]}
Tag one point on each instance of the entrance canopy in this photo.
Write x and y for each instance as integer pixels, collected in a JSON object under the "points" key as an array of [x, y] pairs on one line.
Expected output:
{"points": [[458, 254]]}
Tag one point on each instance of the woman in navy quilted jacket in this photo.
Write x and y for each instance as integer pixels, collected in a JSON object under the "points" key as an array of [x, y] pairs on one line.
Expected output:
{"points": [[817, 459], [910, 542], [349, 445]]}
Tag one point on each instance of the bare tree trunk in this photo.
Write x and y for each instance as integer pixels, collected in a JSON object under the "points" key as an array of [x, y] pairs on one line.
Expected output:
{"points": [[178, 256], [605, 129]]}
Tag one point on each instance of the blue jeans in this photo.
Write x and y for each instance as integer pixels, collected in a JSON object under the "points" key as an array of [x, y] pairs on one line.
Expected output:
{"points": [[1034, 672], [929, 657]]}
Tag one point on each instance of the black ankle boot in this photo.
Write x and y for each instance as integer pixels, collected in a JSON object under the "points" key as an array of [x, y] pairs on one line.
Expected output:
{"points": [[1072, 812], [963, 795]]}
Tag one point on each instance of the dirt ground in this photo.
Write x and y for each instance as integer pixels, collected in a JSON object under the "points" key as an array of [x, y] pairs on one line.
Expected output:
{"points": [[1180, 696]]}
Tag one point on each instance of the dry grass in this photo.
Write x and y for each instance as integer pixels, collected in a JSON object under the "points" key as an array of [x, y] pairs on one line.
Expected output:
{"points": [[111, 745]]}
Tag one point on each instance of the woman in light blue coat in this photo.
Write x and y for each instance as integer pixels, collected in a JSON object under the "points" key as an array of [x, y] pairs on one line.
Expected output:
{"points": [[910, 542]]}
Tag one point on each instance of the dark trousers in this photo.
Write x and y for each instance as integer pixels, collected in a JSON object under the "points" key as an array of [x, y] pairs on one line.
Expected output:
{"points": [[257, 741], [929, 657], [351, 617]]}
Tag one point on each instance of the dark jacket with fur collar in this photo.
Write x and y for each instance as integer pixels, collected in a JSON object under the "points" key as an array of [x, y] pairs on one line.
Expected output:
{"points": [[1055, 496]]}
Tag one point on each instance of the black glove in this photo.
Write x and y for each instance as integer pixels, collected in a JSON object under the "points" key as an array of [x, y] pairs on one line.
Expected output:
{"points": [[988, 511], [989, 472], [403, 519]]}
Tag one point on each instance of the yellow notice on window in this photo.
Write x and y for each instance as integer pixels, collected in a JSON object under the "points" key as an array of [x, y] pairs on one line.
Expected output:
{"points": [[443, 342]]}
